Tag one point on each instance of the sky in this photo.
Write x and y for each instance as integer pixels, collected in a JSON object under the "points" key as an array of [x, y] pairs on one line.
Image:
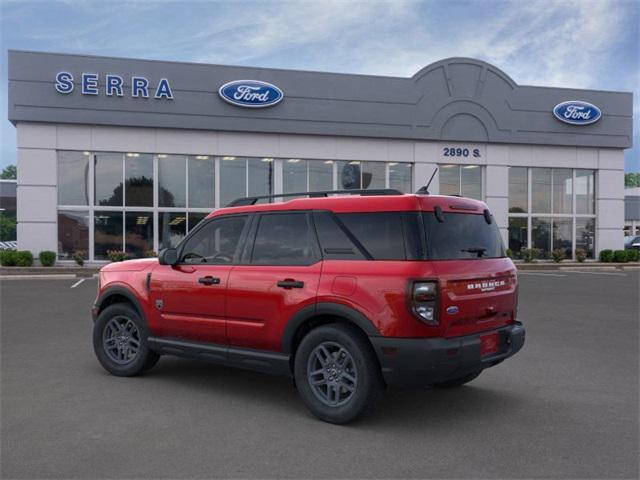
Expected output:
{"points": [[566, 43]]}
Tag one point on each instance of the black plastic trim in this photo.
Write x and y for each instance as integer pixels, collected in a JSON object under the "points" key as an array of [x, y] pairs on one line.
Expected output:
{"points": [[325, 308], [117, 290], [419, 362], [259, 360]]}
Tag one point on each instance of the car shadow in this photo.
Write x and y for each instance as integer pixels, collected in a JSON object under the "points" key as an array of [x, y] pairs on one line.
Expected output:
{"points": [[398, 409]]}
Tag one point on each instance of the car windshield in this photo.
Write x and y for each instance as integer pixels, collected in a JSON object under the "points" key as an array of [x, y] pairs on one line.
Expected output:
{"points": [[462, 236]]}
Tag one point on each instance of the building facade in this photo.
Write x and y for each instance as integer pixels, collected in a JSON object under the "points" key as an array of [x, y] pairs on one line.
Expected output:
{"points": [[124, 154]]}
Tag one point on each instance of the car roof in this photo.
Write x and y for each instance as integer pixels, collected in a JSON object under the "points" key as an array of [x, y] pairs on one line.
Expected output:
{"points": [[367, 203]]}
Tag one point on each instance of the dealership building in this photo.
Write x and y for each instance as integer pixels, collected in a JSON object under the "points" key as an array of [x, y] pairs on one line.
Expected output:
{"points": [[127, 154]]}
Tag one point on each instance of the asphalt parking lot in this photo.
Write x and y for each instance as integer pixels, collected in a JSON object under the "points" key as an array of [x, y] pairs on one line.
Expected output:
{"points": [[565, 407]]}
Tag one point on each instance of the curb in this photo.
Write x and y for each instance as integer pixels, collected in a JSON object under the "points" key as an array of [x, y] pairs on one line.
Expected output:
{"points": [[49, 272]]}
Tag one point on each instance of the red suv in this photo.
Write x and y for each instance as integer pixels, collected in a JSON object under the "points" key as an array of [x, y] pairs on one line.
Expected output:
{"points": [[348, 294]]}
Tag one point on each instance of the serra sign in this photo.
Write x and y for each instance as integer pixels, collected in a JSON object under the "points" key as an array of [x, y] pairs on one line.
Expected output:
{"points": [[113, 85]]}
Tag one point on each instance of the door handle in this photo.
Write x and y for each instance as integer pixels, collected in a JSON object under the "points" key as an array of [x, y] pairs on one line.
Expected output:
{"points": [[209, 280], [290, 283]]}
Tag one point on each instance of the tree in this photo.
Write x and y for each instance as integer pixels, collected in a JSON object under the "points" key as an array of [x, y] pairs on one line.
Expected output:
{"points": [[9, 173], [632, 180]]}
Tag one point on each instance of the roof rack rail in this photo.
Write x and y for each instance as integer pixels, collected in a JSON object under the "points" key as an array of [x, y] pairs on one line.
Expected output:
{"points": [[240, 202]]}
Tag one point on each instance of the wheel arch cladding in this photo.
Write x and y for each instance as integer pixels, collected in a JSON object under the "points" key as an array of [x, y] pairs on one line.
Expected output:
{"points": [[319, 314], [114, 295]]}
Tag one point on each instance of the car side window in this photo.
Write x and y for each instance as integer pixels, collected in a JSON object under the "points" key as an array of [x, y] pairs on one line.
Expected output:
{"points": [[216, 242], [284, 239]]}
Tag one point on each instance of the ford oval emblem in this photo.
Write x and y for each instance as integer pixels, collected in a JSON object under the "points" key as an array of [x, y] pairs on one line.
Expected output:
{"points": [[452, 310], [577, 112], [250, 93]]}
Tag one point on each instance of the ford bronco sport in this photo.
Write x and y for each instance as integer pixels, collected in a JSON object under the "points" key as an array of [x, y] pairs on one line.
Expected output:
{"points": [[348, 294]]}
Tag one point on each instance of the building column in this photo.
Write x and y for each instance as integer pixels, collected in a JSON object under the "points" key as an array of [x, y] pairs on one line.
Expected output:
{"points": [[37, 193], [610, 200], [497, 187]]}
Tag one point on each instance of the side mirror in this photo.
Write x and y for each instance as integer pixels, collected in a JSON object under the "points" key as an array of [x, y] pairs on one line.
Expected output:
{"points": [[168, 256]]}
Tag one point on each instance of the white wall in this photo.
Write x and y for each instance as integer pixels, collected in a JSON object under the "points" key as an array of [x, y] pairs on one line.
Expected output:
{"points": [[37, 143]]}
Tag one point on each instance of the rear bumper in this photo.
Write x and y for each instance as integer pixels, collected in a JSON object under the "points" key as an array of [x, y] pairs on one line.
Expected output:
{"points": [[415, 362]]}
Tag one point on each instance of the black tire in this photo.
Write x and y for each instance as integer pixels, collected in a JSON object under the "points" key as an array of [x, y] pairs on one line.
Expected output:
{"points": [[458, 382], [116, 352], [350, 356]]}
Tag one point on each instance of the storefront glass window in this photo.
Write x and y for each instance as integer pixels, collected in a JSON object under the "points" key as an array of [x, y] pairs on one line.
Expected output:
{"points": [[73, 233], [202, 178], [172, 227], [107, 232], [320, 175], [138, 170], [108, 179], [73, 178], [373, 175], [518, 190], [562, 235], [562, 190], [138, 233], [260, 176], [233, 179], [471, 180], [541, 235], [585, 192], [463, 180], [517, 235], [541, 190], [194, 219], [400, 176], [449, 179], [585, 235], [172, 188], [294, 175]]}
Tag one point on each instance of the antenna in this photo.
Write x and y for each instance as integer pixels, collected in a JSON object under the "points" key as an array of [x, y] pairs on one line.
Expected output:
{"points": [[425, 190]]}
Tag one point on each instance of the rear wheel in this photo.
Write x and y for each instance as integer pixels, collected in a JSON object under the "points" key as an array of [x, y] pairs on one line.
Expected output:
{"points": [[120, 341], [337, 374], [457, 382]]}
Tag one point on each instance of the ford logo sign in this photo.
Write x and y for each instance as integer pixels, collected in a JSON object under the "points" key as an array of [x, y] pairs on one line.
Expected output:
{"points": [[250, 93], [577, 112]]}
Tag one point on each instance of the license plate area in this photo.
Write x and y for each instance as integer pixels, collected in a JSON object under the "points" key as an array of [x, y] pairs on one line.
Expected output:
{"points": [[489, 344]]}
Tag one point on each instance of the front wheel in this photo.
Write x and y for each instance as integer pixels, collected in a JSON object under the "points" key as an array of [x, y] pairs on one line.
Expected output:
{"points": [[337, 374], [120, 341]]}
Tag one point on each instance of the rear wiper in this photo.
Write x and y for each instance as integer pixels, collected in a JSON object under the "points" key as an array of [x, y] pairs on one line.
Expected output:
{"points": [[479, 250]]}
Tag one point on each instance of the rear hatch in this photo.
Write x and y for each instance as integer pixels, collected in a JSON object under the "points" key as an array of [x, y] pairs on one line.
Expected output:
{"points": [[477, 283]]}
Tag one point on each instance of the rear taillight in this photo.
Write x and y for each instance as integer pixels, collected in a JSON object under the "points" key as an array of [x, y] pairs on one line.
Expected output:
{"points": [[423, 301]]}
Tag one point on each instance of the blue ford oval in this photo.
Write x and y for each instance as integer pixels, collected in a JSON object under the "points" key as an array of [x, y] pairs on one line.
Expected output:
{"points": [[250, 93], [577, 112]]}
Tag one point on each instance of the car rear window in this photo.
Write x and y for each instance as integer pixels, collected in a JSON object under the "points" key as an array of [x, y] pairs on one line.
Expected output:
{"points": [[385, 235], [462, 236]]}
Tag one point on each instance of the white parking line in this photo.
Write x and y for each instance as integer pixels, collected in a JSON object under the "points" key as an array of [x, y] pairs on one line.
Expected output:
{"points": [[78, 283], [542, 274], [598, 273]]}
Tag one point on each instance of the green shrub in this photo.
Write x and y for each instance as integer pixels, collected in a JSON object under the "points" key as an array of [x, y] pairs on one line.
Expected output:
{"points": [[581, 254], [509, 253], [558, 255], [150, 254], [8, 258], [24, 258], [47, 258], [116, 255], [606, 256], [527, 255], [80, 256], [620, 256], [633, 255]]}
